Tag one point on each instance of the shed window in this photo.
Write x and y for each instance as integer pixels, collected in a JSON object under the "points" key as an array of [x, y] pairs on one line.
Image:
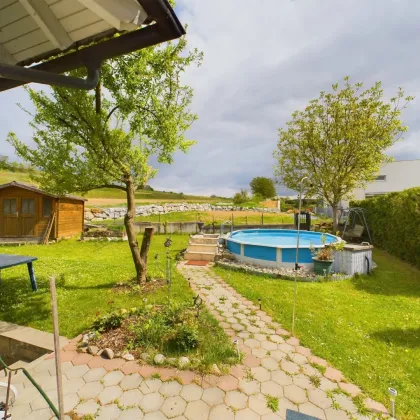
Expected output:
{"points": [[381, 178], [46, 207], [9, 206], [28, 206]]}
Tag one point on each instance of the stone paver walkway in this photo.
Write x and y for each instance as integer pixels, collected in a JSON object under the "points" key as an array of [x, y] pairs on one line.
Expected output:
{"points": [[274, 364]]}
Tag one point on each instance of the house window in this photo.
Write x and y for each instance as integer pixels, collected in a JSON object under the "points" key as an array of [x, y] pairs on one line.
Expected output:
{"points": [[46, 207], [380, 178], [9, 206], [28, 206]]}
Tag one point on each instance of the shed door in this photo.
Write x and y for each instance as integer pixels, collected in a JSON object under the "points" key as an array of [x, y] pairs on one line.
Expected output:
{"points": [[10, 215], [27, 219]]}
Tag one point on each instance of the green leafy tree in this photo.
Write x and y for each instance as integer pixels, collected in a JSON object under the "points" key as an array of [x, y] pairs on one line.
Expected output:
{"points": [[104, 138], [241, 197], [263, 187], [339, 141]]}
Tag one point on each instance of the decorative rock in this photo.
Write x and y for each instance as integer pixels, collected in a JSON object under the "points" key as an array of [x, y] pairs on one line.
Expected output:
{"points": [[159, 359], [183, 362], [108, 353], [145, 357], [94, 350], [127, 356]]}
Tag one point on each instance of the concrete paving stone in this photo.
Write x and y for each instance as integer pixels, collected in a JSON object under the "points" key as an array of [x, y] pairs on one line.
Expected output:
{"points": [[260, 337], [130, 398], [319, 398], [269, 345], [39, 403], [317, 360], [246, 414], [289, 367], [236, 399], [150, 385], [272, 388], [228, 383], [252, 343], [109, 394], [312, 410], [71, 386], [20, 411], [131, 382], [109, 412], [252, 329], [42, 414], [90, 390], [303, 350], [244, 334], [151, 402], [114, 364], [346, 403], [44, 366], [147, 371], [173, 406], [295, 394], [299, 359], [277, 355], [270, 363], [249, 387], [240, 316], [333, 414], [48, 383], [95, 374], [238, 371], [326, 384], [131, 414], [70, 401], [87, 407], [186, 377], [286, 348], [284, 405], [310, 370], [68, 356], [260, 373], [271, 416], [27, 396], [275, 338], [191, 392], [303, 381], [259, 352], [213, 396], [258, 403], [113, 378], [352, 389], [238, 327], [170, 388], [130, 367], [155, 415], [333, 375], [221, 412], [97, 361], [82, 359], [197, 410], [77, 371]]}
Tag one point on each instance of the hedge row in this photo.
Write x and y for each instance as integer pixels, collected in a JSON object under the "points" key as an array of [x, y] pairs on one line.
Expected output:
{"points": [[394, 222]]}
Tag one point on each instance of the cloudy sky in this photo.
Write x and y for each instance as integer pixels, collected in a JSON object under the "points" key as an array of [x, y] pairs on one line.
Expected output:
{"points": [[262, 61]]}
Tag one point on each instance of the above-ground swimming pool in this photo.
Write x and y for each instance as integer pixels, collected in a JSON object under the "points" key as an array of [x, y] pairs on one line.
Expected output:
{"points": [[275, 247]]}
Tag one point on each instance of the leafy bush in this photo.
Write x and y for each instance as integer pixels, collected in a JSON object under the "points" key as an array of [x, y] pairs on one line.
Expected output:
{"points": [[109, 321], [241, 197], [394, 222]]}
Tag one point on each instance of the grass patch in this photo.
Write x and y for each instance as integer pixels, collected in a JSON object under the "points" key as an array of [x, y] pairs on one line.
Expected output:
{"points": [[86, 274], [272, 403], [368, 327]]}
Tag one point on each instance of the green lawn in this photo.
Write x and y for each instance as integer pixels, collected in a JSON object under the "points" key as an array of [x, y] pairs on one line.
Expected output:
{"points": [[368, 327], [86, 273]]}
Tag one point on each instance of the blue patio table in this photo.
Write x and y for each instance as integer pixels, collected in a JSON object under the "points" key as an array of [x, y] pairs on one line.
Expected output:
{"points": [[7, 260]]}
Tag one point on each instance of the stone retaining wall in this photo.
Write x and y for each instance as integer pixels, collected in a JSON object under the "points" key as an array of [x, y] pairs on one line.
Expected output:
{"points": [[98, 214]]}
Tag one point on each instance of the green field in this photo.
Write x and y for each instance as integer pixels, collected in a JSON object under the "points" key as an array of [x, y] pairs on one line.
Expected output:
{"points": [[86, 274], [368, 327]]}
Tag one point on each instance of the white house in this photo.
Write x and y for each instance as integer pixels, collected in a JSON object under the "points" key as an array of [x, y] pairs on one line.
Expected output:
{"points": [[392, 177]]}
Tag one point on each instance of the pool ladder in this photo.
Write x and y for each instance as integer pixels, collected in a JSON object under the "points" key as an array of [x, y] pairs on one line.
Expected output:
{"points": [[227, 222]]}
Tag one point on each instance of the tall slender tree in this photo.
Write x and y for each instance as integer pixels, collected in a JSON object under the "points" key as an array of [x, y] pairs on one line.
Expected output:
{"points": [[105, 138], [339, 141]]}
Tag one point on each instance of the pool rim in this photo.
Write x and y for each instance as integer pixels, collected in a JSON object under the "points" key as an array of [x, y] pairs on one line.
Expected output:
{"points": [[228, 237]]}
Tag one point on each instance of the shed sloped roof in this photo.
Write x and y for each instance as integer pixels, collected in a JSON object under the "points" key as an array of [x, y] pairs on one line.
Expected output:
{"points": [[33, 188]]}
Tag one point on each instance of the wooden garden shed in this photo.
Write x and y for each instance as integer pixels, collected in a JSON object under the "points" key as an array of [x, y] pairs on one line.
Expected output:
{"points": [[28, 214]]}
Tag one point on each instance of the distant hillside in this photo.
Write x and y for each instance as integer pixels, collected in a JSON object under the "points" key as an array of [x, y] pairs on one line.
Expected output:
{"points": [[112, 197]]}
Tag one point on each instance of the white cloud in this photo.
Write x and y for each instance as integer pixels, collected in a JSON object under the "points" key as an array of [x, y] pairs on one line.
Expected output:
{"points": [[263, 60]]}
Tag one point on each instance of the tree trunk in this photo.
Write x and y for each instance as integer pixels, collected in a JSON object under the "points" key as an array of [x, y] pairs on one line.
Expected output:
{"points": [[144, 252], [335, 218], [139, 259]]}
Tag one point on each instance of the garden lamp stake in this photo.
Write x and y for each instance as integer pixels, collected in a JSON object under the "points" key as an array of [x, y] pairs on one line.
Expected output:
{"points": [[297, 256], [392, 393]]}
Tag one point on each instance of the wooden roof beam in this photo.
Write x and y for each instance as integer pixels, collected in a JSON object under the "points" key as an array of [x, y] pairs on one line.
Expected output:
{"points": [[123, 15], [5, 56], [47, 22]]}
